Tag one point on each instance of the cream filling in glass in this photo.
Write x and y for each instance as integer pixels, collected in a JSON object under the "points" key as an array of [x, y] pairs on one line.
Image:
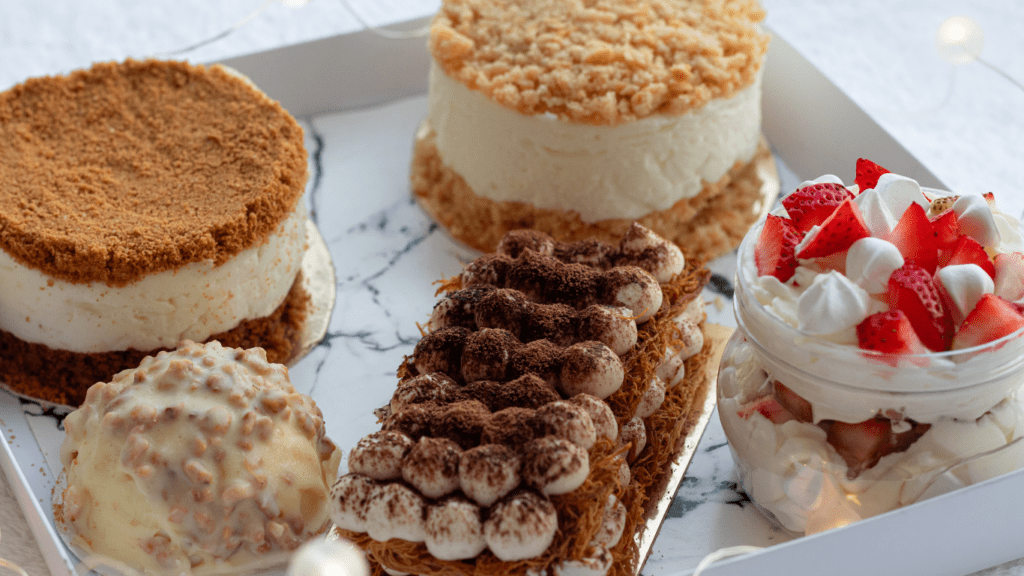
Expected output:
{"points": [[602, 172], [192, 302]]}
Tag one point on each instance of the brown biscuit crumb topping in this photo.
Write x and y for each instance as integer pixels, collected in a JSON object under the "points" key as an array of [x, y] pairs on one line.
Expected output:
{"points": [[123, 170], [600, 61]]}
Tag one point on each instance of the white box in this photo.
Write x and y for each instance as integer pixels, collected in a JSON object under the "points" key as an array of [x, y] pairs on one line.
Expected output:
{"points": [[957, 533]]}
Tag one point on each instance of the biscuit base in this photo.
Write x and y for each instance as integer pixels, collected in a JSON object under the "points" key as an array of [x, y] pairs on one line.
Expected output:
{"points": [[63, 377], [580, 512], [707, 225]]}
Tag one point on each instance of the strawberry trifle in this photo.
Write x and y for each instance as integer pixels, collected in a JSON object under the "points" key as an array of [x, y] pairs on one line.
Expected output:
{"points": [[879, 357]]}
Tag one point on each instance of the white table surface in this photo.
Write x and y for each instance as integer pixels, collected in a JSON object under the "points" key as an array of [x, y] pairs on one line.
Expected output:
{"points": [[965, 124]]}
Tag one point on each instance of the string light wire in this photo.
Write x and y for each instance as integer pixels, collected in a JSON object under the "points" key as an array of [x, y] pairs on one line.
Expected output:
{"points": [[420, 32]]}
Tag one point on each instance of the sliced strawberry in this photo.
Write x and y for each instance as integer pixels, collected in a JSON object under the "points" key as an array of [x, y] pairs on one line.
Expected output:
{"points": [[912, 291], [991, 199], [991, 319], [795, 404], [837, 233], [868, 174], [1009, 277], [947, 229], [889, 332], [916, 238], [967, 250], [811, 205], [767, 407], [775, 251]]}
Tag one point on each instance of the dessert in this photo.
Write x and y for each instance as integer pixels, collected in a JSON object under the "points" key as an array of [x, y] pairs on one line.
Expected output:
{"points": [[144, 203], [577, 119], [532, 427], [204, 460], [879, 355]]}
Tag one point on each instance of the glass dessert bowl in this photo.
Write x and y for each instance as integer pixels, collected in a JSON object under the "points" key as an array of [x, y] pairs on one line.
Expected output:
{"points": [[877, 361]]}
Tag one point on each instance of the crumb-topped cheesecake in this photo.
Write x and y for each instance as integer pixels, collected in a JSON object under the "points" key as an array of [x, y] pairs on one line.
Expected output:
{"points": [[144, 203], [534, 424], [577, 119]]}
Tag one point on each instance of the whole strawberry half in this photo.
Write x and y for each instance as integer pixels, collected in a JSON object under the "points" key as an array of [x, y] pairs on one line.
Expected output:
{"points": [[868, 174], [889, 332], [967, 250], [811, 205], [775, 251], [991, 319], [915, 237], [913, 292], [837, 233]]}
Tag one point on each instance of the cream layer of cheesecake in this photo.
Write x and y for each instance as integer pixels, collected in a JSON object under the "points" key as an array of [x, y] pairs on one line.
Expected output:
{"points": [[601, 172], [158, 311]]}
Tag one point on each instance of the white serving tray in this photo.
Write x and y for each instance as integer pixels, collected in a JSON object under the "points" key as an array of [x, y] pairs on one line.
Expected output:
{"points": [[381, 81]]}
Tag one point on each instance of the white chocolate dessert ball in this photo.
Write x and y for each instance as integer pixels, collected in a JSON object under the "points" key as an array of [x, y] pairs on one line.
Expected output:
{"points": [[198, 461]]}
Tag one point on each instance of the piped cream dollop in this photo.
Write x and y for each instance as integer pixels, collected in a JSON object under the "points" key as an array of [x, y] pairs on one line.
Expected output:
{"points": [[831, 304]]}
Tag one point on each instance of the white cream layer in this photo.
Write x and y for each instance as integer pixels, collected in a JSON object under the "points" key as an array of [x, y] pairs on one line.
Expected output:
{"points": [[192, 302], [602, 172]]}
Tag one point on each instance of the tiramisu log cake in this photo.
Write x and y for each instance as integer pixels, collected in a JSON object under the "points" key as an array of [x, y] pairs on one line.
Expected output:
{"points": [[578, 118], [533, 426], [144, 203]]}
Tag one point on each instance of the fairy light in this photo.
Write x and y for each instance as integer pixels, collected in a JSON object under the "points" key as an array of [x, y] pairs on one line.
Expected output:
{"points": [[328, 558], [960, 40]]}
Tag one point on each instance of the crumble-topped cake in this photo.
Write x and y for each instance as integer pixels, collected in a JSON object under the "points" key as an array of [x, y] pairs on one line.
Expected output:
{"points": [[532, 429], [579, 118], [144, 203]]}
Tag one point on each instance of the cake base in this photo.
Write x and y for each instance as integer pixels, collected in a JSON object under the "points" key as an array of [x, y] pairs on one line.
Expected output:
{"points": [[708, 225], [63, 377]]}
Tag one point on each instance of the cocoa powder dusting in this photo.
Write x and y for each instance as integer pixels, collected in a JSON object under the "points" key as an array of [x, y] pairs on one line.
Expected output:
{"points": [[554, 322], [441, 351], [513, 427], [461, 422], [487, 353], [540, 357], [528, 391], [123, 170], [501, 308], [434, 457]]}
